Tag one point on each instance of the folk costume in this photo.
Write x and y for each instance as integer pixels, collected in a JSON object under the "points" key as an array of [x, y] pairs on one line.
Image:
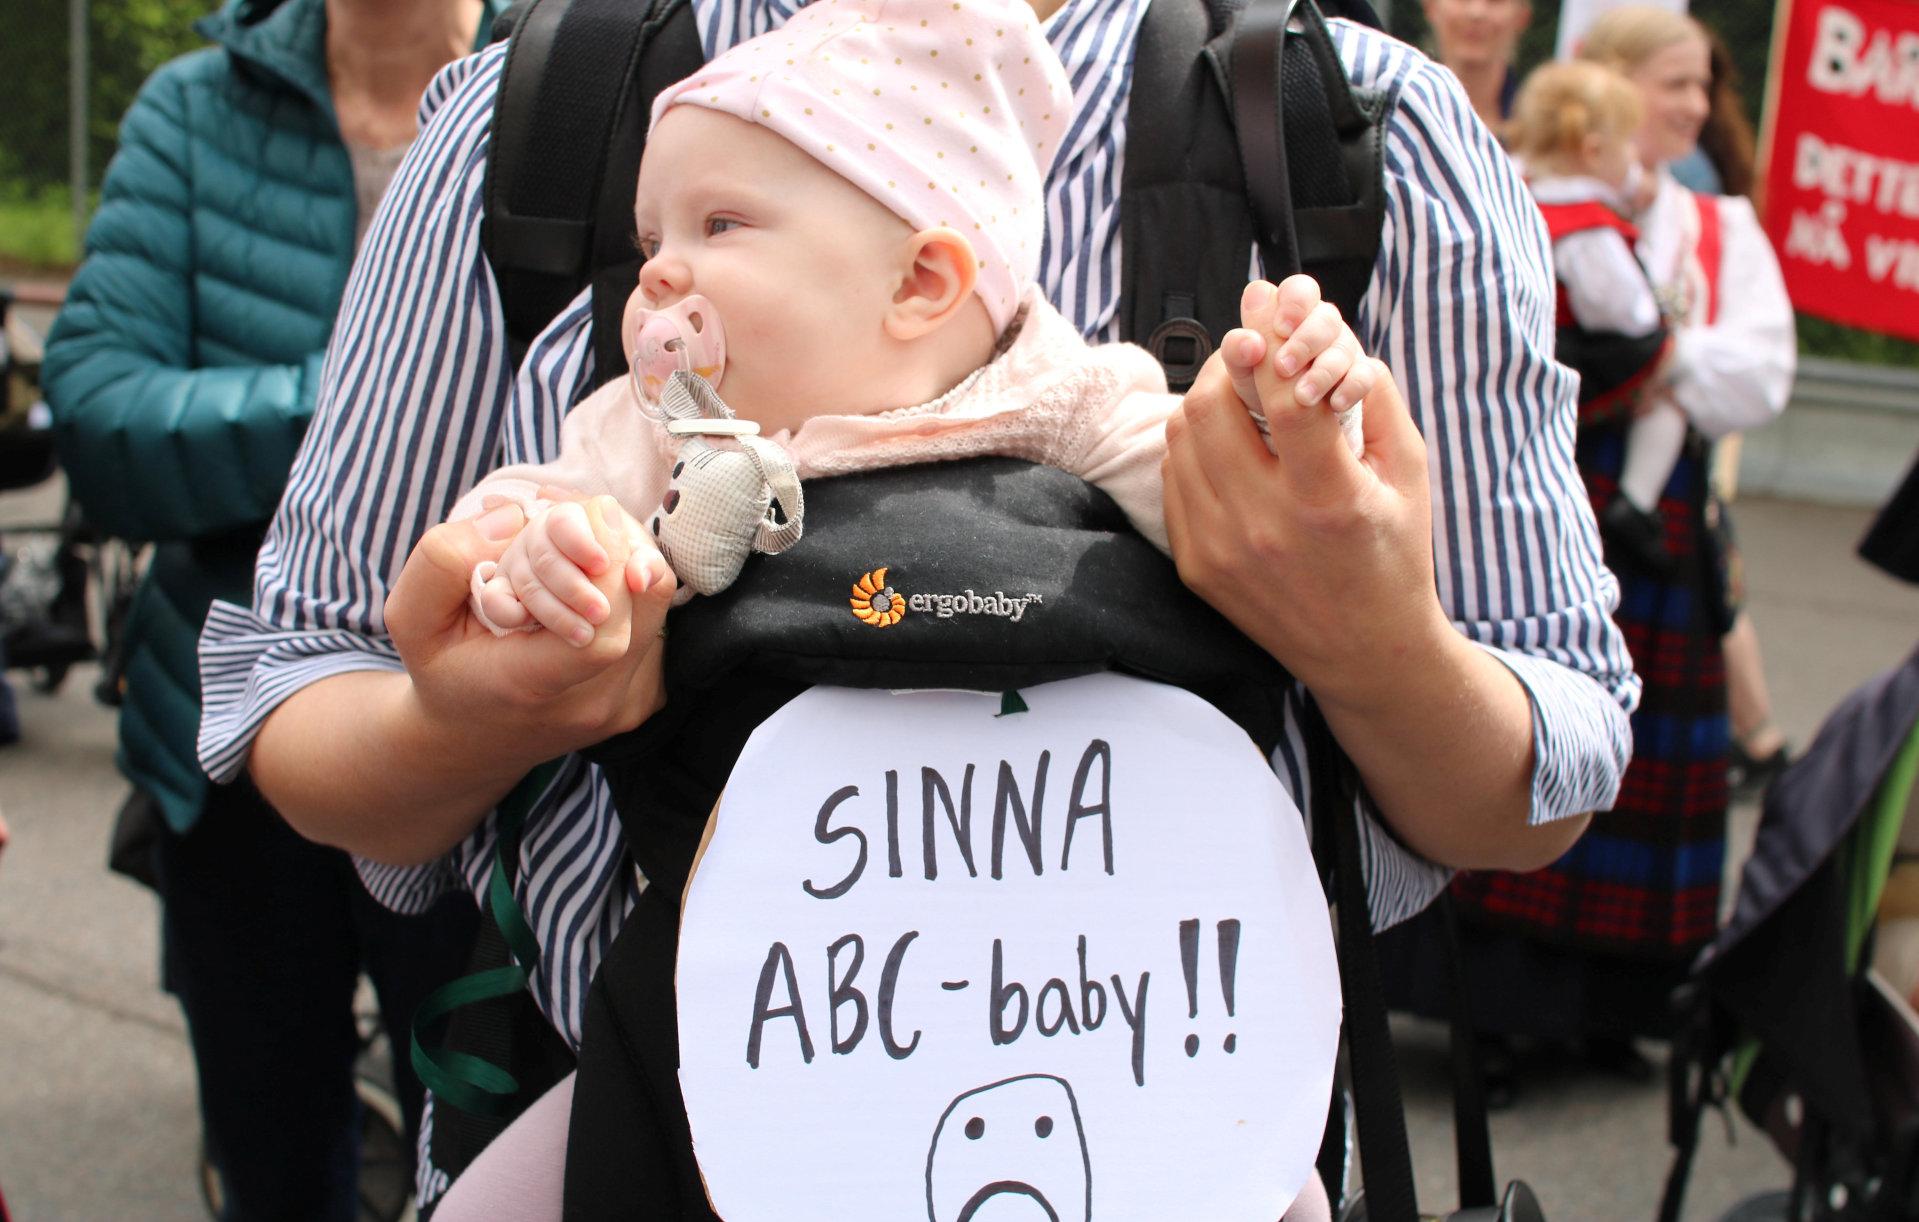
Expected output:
{"points": [[1593, 944]]}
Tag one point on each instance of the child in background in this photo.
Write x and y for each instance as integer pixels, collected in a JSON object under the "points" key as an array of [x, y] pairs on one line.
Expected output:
{"points": [[842, 223], [1572, 129]]}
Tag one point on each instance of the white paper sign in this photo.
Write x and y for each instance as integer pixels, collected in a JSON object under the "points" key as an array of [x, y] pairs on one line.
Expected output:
{"points": [[1070, 963]]}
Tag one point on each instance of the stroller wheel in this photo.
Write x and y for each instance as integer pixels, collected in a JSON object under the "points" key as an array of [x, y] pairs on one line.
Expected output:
{"points": [[386, 1163]]}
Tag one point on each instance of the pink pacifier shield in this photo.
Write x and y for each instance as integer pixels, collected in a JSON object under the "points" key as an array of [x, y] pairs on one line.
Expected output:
{"points": [[683, 336]]}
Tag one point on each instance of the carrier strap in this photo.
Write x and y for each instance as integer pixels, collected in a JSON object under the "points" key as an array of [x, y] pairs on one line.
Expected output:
{"points": [[1310, 148], [469, 1082], [1472, 1136], [1241, 133], [1384, 1151], [575, 96]]}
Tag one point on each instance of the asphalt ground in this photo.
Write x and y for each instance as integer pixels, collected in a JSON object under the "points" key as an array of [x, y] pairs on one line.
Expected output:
{"points": [[97, 1113]]}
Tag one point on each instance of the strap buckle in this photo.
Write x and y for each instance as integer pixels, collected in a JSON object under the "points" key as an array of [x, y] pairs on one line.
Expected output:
{"points": [[1182, 346]]}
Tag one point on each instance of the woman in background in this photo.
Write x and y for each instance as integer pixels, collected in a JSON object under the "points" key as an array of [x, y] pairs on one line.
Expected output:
{"points": [[1722, 163], [181, 373], [1476, 40], [1589, 949]]}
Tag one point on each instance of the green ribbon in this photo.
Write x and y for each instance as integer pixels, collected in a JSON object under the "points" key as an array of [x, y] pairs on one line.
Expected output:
{"points": [[468, 1082]]}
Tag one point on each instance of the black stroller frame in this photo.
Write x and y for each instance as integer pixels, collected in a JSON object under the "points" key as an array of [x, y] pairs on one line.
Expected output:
{"points": [[1783, 1012], [96, 576]]}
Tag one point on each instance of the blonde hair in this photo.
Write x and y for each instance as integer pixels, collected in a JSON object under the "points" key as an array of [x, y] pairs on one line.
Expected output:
{"points": [[1562, 105], [1625, 38]]}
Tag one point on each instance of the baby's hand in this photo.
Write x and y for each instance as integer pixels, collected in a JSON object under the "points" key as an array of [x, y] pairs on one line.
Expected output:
{"points": [[1310, 346], [545, 579]]}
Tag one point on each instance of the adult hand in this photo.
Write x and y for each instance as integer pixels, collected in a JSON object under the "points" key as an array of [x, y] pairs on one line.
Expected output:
{"points": [[1323, 558], [532, 696], [1326, 560]]}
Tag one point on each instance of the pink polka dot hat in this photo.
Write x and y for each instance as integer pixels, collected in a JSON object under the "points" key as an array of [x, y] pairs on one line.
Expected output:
{"points": [[949, 112]]}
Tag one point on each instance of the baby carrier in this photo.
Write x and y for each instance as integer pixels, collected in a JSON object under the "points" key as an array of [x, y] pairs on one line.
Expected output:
{"points": [[1243, 131]]}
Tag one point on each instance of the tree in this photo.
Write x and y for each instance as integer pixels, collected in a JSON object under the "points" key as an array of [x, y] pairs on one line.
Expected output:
{"points": [[127, 39]]}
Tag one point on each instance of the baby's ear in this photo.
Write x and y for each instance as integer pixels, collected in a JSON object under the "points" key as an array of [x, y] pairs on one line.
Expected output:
{"points": [[938, 270]]}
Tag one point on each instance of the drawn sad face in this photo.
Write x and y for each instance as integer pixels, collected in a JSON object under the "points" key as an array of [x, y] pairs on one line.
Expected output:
{"points": [[1012, 1151]]}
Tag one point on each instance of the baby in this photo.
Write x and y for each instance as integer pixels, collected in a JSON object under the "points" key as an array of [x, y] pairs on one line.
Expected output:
{"points": [[1572, 127], [841, 222]]}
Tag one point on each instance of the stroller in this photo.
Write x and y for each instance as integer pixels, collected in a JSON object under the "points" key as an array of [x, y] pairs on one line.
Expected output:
{"points": [[1783, 1011], [56, 577]]}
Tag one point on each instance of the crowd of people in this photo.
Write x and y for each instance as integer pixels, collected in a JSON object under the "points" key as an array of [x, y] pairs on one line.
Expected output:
{"points": [[399, 566], [1588, 951]]}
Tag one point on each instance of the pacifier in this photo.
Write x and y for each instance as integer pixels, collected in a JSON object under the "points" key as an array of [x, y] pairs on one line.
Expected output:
{"points": [[683, 337]]}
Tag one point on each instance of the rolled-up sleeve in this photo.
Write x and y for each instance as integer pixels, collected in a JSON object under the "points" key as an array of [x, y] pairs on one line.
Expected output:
{"points": [[409, 412], [1461, 307]]}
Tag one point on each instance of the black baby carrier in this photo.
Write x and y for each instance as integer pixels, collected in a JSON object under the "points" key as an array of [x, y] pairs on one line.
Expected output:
{"points": [[1243, 131]]}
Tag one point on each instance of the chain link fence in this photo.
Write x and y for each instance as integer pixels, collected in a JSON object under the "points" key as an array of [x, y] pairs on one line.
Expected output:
{"points": [[68, 69]]}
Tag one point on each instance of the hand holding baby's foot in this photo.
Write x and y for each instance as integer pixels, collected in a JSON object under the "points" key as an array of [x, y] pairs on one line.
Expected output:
{"points": [[1301, 350]]}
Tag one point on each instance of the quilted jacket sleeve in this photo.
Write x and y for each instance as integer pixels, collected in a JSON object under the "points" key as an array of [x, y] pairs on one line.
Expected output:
{"points": [[155, 448]]}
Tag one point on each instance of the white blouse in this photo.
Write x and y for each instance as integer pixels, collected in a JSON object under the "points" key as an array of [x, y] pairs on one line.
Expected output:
{"points": [[1606, 288], [1734, 357]]}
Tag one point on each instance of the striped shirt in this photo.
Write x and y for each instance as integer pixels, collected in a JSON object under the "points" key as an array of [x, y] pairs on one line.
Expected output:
{"points": [[420, 400]]}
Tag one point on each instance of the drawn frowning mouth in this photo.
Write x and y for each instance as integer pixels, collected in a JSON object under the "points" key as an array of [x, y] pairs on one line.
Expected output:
{"points": [[1006, 1188]]}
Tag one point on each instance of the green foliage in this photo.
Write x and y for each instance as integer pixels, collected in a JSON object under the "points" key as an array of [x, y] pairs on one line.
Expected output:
{"points": [[36, 230], [127, 40], [1817, 337]]}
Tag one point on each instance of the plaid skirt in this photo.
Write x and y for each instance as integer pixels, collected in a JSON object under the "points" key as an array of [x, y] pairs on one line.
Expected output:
{"points": [[1644, 880]]}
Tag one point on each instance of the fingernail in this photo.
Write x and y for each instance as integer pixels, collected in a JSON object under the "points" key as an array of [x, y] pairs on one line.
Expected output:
{"points": [[647, 578], [583, 635], [1256, 296], [1307, 391], [1288, 365], [499, 524]]}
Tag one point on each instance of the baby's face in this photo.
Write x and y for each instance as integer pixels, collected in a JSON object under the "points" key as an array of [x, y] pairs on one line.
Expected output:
{"points": [[1612, 159], [800, 264]]}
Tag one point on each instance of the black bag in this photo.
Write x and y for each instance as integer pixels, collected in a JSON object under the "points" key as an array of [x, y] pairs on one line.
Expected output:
{"points": [[1243, 130]]}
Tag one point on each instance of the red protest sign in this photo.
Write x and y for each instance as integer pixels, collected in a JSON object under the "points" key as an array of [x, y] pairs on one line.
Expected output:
{"points": [[1842, 183]]}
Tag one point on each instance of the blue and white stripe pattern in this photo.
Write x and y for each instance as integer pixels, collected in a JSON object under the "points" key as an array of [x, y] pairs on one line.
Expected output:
{"points": [[419, 402]]}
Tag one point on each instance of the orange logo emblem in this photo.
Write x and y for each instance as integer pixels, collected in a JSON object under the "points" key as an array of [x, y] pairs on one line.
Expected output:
{"points": [[875, 602]]}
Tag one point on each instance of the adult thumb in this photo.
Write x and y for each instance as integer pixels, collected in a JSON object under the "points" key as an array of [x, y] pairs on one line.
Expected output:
{"points": [[433, 586]]}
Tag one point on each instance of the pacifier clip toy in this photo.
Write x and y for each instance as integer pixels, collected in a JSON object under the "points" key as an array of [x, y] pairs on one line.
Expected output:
{"points": [[722, 503]]}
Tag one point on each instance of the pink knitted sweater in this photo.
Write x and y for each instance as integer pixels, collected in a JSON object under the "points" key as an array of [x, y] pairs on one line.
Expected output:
{"points": [[1098, 412]]}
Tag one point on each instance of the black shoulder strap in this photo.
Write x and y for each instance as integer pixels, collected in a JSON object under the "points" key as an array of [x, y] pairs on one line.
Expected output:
{"points": [[1211, 170], [1185, 231], [557, 137], [1380, 1113], [1310, 148]]}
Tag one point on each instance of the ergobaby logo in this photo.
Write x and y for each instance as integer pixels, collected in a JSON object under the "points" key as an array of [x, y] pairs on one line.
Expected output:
{"points": [[875, 602], [881, 605]]}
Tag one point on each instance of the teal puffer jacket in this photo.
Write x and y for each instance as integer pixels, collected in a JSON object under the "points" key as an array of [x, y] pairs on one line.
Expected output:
{"points": [[183, 368]]}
